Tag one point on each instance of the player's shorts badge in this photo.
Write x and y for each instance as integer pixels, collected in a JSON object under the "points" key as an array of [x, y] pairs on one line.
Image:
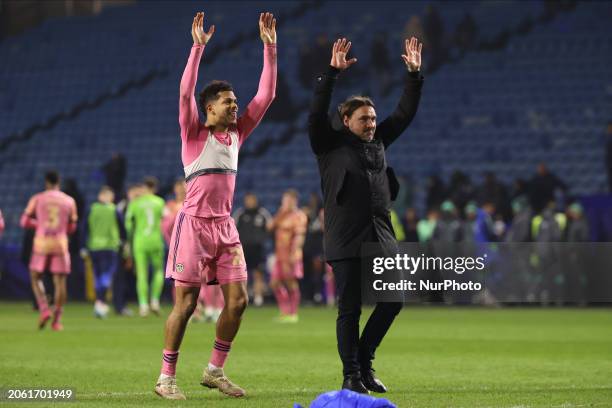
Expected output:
{"points": [[179, 267]]}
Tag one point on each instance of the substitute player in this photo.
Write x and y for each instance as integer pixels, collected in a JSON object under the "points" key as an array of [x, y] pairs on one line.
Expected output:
{"points": [[204, 239], [53, 215], [103, 242], [143, 225], [289, 226]]}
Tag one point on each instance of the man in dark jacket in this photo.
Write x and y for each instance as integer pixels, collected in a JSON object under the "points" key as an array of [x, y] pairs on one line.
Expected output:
{"points": [[542, 188], [251, 222], [358, 188]]}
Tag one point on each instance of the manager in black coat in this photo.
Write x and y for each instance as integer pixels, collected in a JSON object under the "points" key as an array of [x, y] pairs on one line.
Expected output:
{"points": [[358, 188]]}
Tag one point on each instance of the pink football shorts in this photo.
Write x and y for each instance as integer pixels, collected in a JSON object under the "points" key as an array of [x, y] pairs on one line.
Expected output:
{"points": [[297, 272], [55, 263], [205, 250]]}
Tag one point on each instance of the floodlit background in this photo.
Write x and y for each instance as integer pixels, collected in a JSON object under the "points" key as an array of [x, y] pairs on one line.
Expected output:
{"points": [[512, 142]]}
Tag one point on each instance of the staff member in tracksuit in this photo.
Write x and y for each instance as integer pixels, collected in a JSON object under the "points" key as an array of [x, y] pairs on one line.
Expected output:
{"points": [[358, 188]]}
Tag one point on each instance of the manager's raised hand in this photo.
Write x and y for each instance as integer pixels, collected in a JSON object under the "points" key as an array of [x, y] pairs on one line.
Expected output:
{"points": [[339, 52], [412, 57]]}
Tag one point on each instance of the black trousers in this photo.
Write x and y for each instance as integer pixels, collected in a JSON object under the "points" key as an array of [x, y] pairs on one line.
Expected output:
{"points": [[358, 352]]}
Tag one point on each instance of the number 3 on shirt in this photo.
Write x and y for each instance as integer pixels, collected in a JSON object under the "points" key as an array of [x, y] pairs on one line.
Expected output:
{"points": [[53, 218]]}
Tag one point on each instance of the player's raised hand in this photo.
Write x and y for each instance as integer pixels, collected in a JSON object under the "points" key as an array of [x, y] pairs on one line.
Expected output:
{"points": [[339, 51], [412, 58], [267, 28], [197, 30]]}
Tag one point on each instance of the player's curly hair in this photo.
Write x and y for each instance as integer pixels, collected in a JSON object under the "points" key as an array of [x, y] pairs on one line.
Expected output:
{"points": [[211, 92], [352, 103]]}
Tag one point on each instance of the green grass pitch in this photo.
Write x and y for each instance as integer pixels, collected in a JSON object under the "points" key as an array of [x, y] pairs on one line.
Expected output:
{"points": [[432, 357]]}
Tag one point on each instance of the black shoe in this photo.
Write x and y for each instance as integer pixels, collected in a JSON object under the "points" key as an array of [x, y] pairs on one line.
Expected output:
{"points": [[369, 380], [353, 383]]}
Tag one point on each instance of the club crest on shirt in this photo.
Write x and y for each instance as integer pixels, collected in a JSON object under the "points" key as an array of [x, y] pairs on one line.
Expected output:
{"points": [[179, 267]]}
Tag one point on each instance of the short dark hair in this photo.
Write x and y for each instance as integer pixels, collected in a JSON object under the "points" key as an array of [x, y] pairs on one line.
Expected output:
{"points": [[211, 92], [352, 103], [151, 182], [52, 177]]}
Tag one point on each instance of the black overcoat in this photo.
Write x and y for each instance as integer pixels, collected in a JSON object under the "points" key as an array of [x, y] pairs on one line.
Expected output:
{"points": [[357, 184]]}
